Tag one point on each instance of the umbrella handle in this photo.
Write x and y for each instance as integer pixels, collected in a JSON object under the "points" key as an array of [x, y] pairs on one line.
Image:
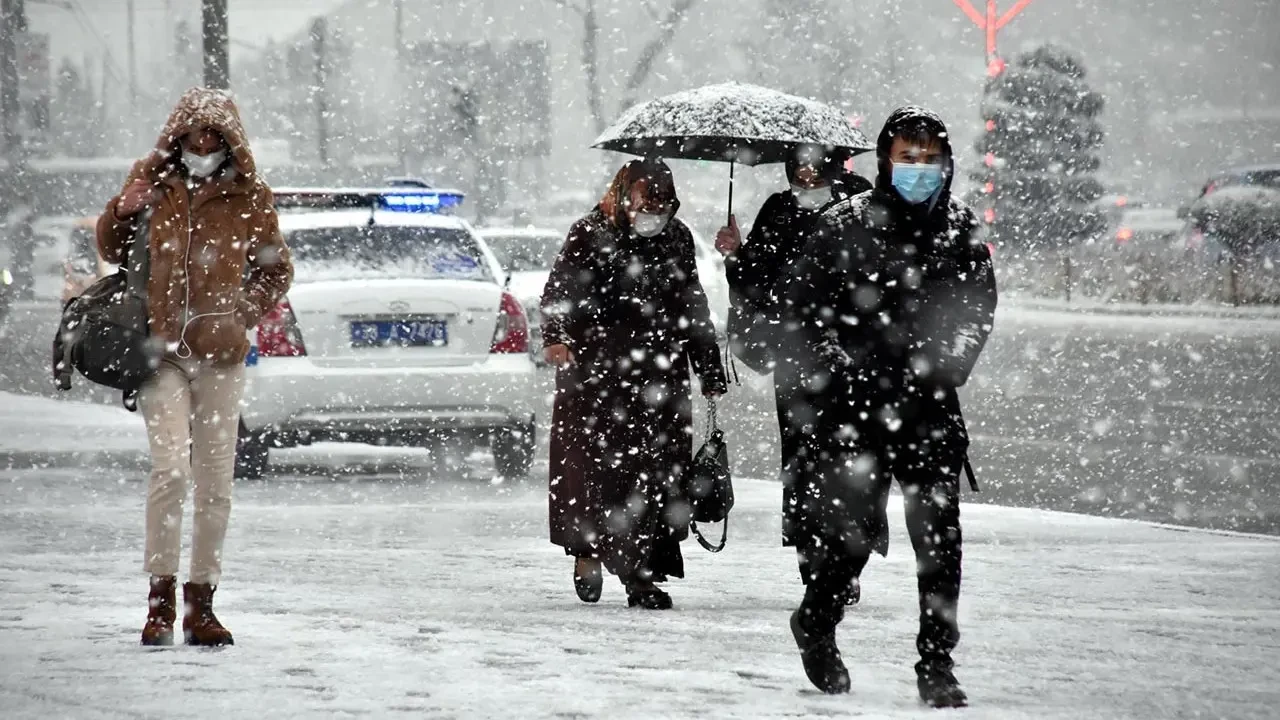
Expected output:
{"points": [[729, 219]]}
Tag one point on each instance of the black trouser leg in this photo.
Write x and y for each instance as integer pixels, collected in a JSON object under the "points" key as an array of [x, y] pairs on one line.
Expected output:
{"points": [[933, 521], [829, 574]]}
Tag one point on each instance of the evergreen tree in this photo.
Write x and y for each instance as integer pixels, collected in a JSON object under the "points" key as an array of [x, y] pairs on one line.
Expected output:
{"points": [[1041, 151]]}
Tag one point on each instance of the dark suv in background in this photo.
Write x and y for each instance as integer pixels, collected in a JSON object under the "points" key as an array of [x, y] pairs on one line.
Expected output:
{"points": [[1236, 215]]}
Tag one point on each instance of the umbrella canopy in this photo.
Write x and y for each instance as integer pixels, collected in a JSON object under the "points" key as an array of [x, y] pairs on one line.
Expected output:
{"points": [[731, 122]]}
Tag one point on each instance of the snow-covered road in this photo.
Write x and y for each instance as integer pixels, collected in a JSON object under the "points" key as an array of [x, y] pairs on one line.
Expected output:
{"points": [[406, 593]]}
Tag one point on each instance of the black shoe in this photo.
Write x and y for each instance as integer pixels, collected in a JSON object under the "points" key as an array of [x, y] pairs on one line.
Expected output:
{"points": [[649, 599], [938, 685], [589, 586], [821, 658]]}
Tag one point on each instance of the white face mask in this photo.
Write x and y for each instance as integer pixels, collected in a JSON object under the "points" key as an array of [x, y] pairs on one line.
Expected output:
{"points": [[203, 165], [646, 225], [811, 198]]}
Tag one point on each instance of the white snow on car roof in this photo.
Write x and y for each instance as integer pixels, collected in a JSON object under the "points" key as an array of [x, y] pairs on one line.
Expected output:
{"points": [[312, 219]]}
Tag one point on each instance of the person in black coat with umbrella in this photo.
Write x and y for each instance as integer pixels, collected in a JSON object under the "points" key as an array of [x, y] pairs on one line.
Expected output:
{"points": [[756, 335], [896, 298]]}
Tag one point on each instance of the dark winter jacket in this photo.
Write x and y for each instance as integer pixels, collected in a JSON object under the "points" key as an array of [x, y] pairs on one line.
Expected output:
{"points": [[776, 240], [896, 302]]}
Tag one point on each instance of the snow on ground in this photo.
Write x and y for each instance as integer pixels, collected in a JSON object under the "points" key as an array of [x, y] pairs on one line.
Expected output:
{"points": [[439, 597]]}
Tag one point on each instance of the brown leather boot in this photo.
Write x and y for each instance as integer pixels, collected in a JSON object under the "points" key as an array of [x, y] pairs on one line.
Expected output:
{"points": [[199, 625], [162, 611]]}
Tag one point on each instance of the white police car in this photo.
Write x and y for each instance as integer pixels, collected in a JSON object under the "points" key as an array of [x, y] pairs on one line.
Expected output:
{"points": [[398, 329]]}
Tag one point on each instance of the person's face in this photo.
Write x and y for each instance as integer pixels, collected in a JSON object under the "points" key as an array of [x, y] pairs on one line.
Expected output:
{"points": [[808, 177], [202, 142], [905, 151], [641, 202]]}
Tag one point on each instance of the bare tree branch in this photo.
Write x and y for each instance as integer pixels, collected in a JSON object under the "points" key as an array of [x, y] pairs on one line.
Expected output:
{"points": [[651, 7], [655, 47], [591, 64], [571, 6]]}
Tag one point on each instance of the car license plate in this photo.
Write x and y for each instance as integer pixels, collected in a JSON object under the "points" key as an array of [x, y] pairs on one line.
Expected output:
{"points": [[400, 333]]}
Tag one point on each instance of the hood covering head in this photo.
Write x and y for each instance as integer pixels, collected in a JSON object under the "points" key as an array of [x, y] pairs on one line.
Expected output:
{"points": [[661, 186], [199, 108], [915, 123], [829, 161]]}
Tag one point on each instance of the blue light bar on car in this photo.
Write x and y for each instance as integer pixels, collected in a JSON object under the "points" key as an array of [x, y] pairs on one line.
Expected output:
{"points": [[391, 199], [422, 201]]}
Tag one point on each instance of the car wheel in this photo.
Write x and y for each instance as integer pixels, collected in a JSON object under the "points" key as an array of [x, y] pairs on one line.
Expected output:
{"points": [[252, 454], [513, 451]]}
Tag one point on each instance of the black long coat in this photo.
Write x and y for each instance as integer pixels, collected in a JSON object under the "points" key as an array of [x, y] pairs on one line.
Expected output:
{"points": [[633, 312], [757, 335], [896, 302]]}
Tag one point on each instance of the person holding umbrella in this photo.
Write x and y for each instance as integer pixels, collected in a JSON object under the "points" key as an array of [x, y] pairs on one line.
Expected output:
{"points": [[624, 319], [896, 297], [784, 224]]}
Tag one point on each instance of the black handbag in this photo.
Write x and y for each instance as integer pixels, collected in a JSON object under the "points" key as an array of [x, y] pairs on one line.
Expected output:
{"points": [[709, 484], [104, 333]]}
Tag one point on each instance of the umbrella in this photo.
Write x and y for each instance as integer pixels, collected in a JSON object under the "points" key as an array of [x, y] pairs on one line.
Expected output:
{"points": [[731, 122]]}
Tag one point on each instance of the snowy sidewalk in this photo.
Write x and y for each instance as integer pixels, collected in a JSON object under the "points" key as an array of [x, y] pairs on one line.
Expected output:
{"points": [[41, 432], [440, 598], [1090, 306]]}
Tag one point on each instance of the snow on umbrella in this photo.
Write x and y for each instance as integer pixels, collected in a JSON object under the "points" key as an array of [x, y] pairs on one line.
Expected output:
{"points": [[731, 122]]}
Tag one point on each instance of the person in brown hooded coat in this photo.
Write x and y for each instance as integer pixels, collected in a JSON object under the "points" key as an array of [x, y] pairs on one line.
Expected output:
{"points": [[624, 318], [218, 264]]}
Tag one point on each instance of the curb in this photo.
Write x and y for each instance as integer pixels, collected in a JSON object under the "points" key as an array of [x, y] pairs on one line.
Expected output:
{"points": [[36, 460], [1269, 314]]}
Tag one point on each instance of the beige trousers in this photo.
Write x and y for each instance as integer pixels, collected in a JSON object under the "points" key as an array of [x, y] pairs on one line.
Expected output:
{"points": [[192, 411]]}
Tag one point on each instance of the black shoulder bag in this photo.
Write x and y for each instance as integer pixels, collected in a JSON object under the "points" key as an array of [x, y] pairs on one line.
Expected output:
{"points": [[103, 333], [708, 484]]}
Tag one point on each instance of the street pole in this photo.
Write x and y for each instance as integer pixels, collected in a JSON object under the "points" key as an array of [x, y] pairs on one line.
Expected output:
{"points": [[991, 22], [13, 22], [402, 97], [320, 89], [133, 58], [217, 63]]}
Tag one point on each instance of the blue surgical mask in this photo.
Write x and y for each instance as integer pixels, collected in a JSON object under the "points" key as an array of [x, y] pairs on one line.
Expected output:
{"points": [[917, 183]]}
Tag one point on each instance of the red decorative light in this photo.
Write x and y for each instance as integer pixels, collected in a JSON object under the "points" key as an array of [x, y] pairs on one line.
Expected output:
{"points": [[989, 159], [989, 215], [989, 188], [996, 66], [991, 125]]}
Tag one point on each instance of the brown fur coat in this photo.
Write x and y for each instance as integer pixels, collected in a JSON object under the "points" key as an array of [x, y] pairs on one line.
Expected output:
{"points": [[218, 261]]}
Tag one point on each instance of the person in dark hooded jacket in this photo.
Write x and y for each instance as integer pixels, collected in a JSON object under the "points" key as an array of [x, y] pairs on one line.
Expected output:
{"points": [[895, 296], [756, 335]]}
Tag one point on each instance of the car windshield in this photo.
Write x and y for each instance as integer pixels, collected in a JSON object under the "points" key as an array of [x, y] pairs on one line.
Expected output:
{"points": [[525, 253], [347, 253]]}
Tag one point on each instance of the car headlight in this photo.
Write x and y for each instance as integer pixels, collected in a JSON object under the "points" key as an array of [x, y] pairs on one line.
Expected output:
{"points": [[6, 277]]}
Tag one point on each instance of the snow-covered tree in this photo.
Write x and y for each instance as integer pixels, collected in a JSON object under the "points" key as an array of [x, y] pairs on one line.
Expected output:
{"points": [[1041, 151]]}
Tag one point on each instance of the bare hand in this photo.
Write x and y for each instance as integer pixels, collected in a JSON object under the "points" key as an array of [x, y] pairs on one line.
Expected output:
{"points": [[729, 239], [558, 356], [135, 198], [713, 394]]}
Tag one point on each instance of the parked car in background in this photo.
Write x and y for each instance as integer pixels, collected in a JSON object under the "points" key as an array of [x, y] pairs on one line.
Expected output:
{"points": [[82, 265], [1237, 214], [1156, 228], [397, 330], [526, 255]]}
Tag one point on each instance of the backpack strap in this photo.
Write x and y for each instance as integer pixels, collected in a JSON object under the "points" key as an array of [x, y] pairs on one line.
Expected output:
{"points": [[724, 537], [138, 259], [968, 468]]}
